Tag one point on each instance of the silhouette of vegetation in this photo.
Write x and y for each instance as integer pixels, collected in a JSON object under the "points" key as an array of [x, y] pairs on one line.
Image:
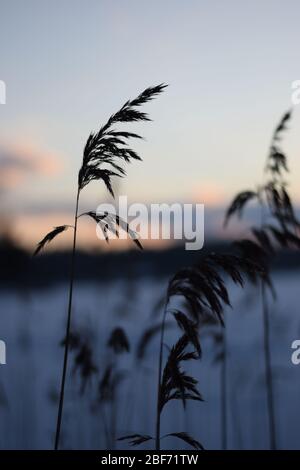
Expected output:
{"points": [[196, 297], [84, 363], [201, 289], [50, 236], [279, 228], [109, 382], [103, 155]]}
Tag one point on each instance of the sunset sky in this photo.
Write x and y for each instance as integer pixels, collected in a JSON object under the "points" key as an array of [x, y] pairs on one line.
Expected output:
{"points": [[69, 64]]}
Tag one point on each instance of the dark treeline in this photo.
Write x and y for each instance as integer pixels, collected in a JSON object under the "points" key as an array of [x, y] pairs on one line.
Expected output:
{"points": [[18, 267]]}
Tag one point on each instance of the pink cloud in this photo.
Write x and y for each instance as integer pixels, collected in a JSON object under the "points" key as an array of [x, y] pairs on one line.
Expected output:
{"points": [[19, 161]]}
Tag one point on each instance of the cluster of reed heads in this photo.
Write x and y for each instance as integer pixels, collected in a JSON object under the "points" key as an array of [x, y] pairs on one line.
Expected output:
{"points": [[196, 296]]}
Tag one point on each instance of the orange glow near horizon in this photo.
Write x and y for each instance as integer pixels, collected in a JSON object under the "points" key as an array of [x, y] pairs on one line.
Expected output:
{"points": [[28, 230], [209, 194]]}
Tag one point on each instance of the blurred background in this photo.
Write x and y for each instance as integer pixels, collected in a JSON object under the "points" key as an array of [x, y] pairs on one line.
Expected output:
{"points": [[67, 66]]}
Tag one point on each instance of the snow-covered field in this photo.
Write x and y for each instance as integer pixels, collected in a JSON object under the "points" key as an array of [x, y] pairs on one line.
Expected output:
{"points": [[32, 325]]}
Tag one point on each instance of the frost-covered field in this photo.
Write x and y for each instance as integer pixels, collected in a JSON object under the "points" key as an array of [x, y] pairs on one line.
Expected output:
{"points": [[32, 325]]}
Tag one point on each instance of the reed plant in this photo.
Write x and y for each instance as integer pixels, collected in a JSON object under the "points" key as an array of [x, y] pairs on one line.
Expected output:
{"points": [[103, 155], [278, 228], [192, 293]]}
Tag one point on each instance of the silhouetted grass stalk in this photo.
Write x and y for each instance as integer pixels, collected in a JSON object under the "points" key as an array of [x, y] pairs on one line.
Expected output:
{"points": [[68, 329], [203, 290], [268, 368], [101, 156], [267, 348], [267, 239], [160, 363], [224, 390]]}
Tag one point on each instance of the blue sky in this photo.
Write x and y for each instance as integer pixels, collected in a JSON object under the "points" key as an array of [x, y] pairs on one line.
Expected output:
{"points": [[68, 64]]}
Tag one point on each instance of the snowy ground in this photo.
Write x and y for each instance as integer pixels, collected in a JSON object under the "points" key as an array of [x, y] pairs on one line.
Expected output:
{"points": [[32, 324]]}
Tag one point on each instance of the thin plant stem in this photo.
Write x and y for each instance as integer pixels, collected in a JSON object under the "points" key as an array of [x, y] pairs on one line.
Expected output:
{"points": [[267, 355], [157, 435], [105, 425], [68, 329], [131, 404], [224, 390], [102, 147], [114, 415], [268, 368]]}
